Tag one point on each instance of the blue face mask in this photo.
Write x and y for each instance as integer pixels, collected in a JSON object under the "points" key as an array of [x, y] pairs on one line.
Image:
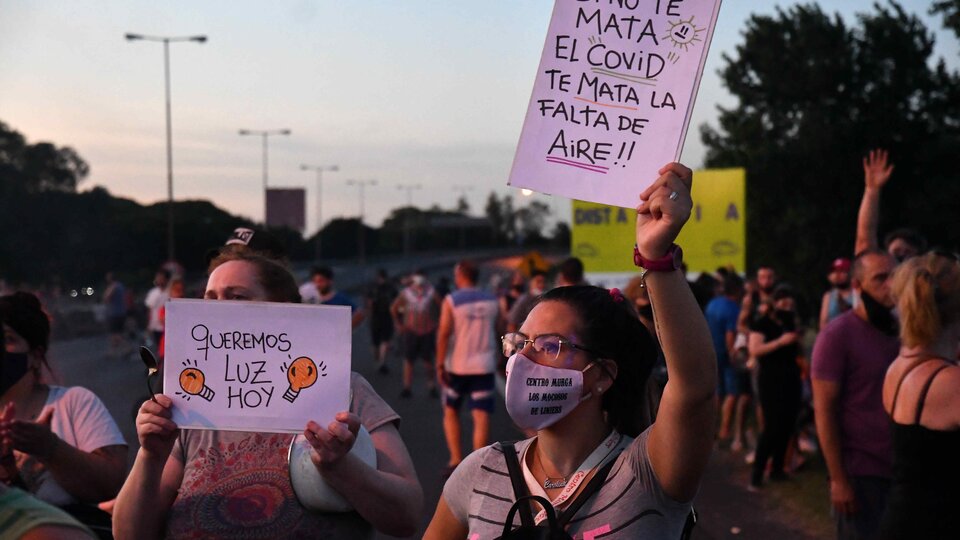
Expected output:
{"points": [[13, 367]]}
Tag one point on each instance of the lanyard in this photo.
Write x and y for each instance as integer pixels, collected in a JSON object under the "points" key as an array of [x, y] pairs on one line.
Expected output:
{"points": [[598, 456]]}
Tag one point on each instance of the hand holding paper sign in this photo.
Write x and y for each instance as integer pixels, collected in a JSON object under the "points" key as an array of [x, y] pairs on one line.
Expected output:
{"points": [[155, 431], [665, 206]]}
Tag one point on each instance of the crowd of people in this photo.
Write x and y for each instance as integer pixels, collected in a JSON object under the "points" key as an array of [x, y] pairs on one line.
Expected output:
{"points": [[621, 396]]}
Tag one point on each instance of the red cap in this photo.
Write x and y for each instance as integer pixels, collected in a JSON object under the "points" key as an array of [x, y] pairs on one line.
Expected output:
{"points": [[841, 265]]}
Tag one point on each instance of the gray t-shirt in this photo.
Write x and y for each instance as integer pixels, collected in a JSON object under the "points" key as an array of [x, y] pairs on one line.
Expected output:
{"points": [[630, 504], [237, 484]]}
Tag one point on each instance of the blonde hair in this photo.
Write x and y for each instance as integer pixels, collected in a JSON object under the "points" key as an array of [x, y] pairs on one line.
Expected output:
{"points": [[927, 292]]}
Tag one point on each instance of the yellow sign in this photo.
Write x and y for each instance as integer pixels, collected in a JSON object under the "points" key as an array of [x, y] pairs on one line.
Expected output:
{"points": [[603, 236]]}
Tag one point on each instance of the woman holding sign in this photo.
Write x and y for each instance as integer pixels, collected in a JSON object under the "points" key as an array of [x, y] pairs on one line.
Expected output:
{"points": [[221, 484], [576, 372]]}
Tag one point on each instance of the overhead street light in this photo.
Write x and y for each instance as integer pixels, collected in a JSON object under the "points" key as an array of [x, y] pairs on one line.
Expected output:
{"points": [[264, 134], [361, 237], [166, 40], [319, 169]]}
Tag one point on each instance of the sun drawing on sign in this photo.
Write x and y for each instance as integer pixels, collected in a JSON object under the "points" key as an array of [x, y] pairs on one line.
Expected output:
{"points": [[683, 34]]}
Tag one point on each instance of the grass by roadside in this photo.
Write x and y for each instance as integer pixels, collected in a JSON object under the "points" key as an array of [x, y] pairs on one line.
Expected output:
{"points": [[806, 497]]}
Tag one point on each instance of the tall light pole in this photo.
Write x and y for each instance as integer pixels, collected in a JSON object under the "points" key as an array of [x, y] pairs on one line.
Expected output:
{"points": [[409, 188], [265, 134], [361, 237], [166, 40], [463, 189], [319, 169]]}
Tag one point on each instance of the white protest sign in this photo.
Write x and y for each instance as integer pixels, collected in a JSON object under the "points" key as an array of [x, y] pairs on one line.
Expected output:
{"points": [[256, 366], [613, 96]]}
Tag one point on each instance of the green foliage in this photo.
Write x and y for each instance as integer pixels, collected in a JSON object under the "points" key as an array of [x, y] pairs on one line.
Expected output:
{"points": [[950, 9], [814, 95], [33, 168]]}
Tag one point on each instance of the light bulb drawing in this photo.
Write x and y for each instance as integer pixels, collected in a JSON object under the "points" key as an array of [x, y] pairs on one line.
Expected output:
{"points": [[301, 374], [683, 34], [192, 382]]}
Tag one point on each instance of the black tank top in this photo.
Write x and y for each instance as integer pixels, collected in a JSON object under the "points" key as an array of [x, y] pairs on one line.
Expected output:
{"points": [[924, 499]]}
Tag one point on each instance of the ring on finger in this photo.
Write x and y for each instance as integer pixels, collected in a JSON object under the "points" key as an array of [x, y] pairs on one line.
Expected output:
{"points": [[673, 195]]}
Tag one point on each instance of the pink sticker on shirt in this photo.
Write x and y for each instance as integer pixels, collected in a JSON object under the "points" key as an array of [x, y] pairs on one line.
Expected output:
{"points": [[593, 533]]}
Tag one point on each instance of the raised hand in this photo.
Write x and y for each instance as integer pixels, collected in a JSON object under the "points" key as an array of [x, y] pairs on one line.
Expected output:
{"points": [[665, 206], [334, 442], [155, 430], [876, 170]]}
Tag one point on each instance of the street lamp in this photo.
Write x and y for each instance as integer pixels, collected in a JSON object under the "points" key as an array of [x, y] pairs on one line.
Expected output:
{"points": [[409, 188], [361, 237], [319, 169], [463, 189], [166, 76], [265, 134]]}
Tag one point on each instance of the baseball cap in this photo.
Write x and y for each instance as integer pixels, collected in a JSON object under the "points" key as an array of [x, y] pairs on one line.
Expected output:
{"points": [[840, 264], [256, 240]]}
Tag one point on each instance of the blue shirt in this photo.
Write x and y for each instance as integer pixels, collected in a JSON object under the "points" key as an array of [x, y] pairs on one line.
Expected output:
{"points": [[722, 314], [340, 299]]}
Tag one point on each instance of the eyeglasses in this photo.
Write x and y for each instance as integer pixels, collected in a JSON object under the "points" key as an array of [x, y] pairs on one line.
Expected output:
{"points": [[550, 345]]}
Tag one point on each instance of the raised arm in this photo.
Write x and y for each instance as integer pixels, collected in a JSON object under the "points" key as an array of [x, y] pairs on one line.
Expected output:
{"points": [[876, 172], [682, 436], [147, 495], [443, 338]]}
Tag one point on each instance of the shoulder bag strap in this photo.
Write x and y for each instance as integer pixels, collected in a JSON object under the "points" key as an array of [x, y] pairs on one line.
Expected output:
{"points": [[516, 479], [592, 487]]}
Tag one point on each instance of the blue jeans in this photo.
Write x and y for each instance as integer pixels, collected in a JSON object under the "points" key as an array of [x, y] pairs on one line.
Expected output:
{"points": [[870, 496]]}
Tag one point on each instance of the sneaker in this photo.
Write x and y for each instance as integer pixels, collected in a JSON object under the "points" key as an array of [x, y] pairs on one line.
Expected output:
{"points": [[754, 488], [405, 393]]}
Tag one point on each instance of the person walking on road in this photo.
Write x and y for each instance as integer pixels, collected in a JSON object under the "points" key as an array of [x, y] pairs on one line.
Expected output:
{"points": [[471, 317], [415, 313]]}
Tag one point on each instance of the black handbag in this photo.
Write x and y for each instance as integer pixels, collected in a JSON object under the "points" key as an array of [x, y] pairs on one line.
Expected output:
{"points": [[553, 527]]}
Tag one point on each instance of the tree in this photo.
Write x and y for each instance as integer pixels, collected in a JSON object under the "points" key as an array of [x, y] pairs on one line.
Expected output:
{"points": [[532, 219], [813, 97], [33, 168], [950, 9]]}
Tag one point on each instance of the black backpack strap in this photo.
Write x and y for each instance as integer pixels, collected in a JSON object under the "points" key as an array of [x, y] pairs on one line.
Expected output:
{"points": [[688, 526], [519, 485], [592, 487]]}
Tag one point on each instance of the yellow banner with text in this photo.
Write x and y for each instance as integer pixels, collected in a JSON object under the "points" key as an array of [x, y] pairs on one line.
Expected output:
{"points": [[603, 236]]}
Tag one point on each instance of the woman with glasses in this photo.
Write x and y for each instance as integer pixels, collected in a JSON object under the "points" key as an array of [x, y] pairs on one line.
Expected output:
{"points": [[222, 484], [920, 395], [576, 374]]}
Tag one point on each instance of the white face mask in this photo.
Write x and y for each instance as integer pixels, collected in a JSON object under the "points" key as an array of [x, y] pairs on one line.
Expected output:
{"points": [[538, 396]]}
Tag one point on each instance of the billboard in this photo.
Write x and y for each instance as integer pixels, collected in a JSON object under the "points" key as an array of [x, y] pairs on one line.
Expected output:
{"points": [[286, 207]]}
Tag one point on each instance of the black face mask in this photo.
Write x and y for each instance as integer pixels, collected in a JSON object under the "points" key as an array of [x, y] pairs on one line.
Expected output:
{"points": [[879, 315], [646, 311], [12, 368]]}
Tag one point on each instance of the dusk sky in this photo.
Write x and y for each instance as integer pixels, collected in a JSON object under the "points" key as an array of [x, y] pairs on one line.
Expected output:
{"points": [[404, 92]]}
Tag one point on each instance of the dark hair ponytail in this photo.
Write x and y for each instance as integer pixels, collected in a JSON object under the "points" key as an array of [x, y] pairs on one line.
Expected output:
{"points": [[610, 328]]}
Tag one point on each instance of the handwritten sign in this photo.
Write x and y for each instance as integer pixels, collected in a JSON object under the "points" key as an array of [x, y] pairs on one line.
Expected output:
{"points": [[613, 96], [256, 366]]}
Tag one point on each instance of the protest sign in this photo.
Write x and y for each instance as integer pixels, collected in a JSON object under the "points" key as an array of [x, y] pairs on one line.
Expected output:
{"points": [[256, 366], [613, 96], [603, 236]]}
